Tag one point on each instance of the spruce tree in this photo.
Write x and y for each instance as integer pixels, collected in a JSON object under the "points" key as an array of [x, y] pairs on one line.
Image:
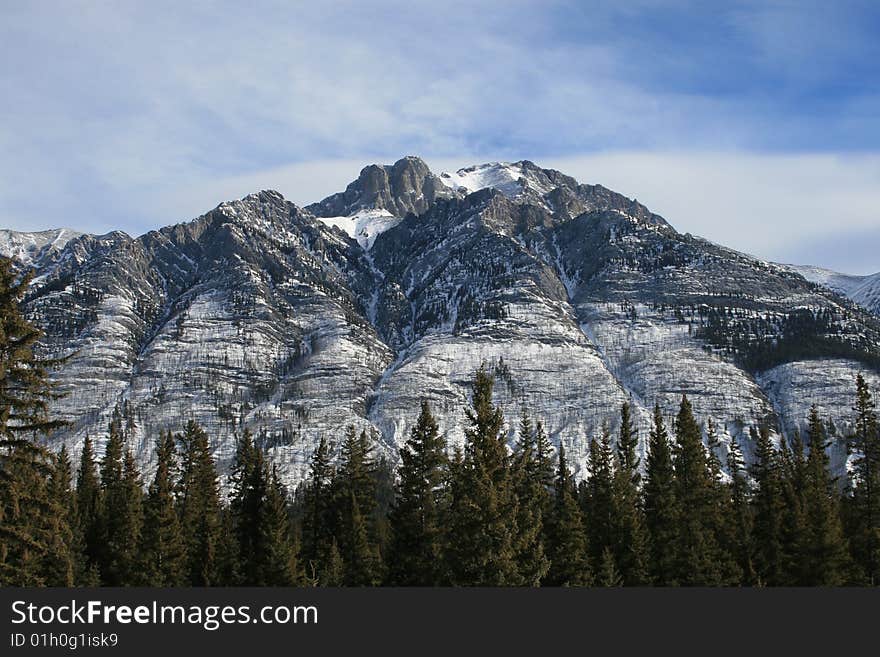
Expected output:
{"points": [[60, 560], [721, 519], [275, 554], [567, 544], [768, 509], [28, 515], [824, 557], [200, 512], [608, 576], [120, 513], [355, 502], [661, 505], [697, 551], [793, 465], [317, 521], [483, 529], [864, 516], [533, 502], [88, 522], [249, 488], [162, 551], [597, 498], [630, 540], [742, 546], [416, 522]]}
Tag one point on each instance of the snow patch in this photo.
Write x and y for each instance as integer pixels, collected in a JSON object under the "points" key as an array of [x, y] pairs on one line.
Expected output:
{"points": [[364, 226]]}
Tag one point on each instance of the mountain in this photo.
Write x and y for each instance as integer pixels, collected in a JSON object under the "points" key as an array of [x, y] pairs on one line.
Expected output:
{"points": [[35, 249], [295, 322], [864, 290]]}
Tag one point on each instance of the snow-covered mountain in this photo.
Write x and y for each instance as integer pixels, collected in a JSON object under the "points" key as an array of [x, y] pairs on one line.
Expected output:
{"points": [[34, 249], [295, 322], [864, 290]]}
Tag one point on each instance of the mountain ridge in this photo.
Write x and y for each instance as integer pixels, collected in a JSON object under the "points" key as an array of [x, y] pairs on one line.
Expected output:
{"points": [[264, 315]]}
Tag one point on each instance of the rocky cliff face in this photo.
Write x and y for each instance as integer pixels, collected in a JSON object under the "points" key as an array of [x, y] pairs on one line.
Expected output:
{"points": [[296, 322]]}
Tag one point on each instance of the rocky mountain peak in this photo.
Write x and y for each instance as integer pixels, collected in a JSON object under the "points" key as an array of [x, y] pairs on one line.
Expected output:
{"points": [[400, 188]]}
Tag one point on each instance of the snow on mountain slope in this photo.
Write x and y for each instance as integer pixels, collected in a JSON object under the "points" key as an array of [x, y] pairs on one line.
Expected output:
{"points": [[30, 249], [266, 316], [364, 226], [509, 179], [864, 290]]}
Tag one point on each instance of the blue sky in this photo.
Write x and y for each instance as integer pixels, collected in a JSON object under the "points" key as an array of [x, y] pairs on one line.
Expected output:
{"points": [[754, 124]]}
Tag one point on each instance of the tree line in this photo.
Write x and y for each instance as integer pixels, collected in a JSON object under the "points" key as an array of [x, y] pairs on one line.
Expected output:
{"points": [[481, 514]]}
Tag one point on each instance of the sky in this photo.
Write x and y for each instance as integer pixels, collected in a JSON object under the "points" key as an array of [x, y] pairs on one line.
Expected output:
{"points": [[753, 124]]}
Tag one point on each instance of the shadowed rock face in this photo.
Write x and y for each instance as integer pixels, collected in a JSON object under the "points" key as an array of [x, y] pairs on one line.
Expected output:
{"points": [[258, 315]]}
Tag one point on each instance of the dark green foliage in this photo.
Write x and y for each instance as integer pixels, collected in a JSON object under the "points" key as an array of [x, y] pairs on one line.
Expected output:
{"points": [[768, 511], [863, 512], [608, 575], [661, 504], [823, 553], [63, 553], [597, 498], [276, 555], [480, 517], [29, 515], [317, 520], [162, 551], [630, 537], [697, 549], [566, 538], [88, 525], [249, 484], [741, 544], [530, 488], [355, 499], [200, 516], [416, 516], [482, 526], [120, 512]]}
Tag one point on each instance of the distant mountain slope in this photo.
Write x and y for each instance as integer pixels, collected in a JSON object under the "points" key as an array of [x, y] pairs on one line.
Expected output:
{"points": [[864, 290]]}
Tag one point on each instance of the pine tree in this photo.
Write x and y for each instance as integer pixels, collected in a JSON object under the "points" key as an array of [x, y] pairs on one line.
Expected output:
{"points": [[567, 541], [355, 502], [162, 552], [317, 521], [742, 546], [824, 557], [333, 573], [696, 545], [88, 522], [249, 489], [28, 516], [120, 513], [721, 520], [482, 538], [60, 560], [864, 516], [361, 568], [793, 466], [533, 505], [275, 557], [630, 541], [661, 505], [767, 505], [416, 529], [200, 512], [597, 498], [608, 576]]}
